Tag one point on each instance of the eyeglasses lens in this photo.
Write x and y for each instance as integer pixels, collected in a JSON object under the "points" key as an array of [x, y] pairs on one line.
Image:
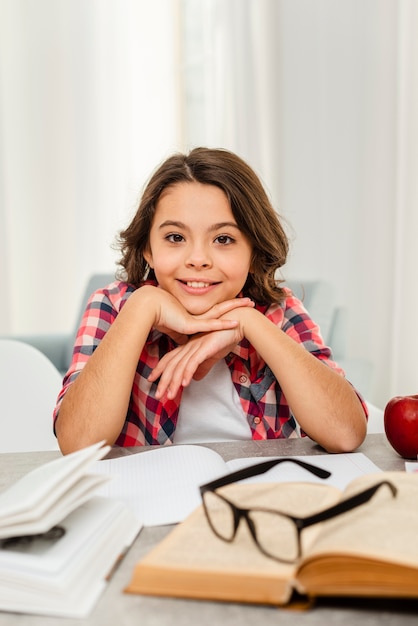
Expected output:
{"points": [[276, 535], [220, 514]]}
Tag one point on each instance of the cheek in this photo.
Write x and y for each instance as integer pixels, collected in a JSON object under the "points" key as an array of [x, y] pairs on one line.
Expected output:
{"points": [[163, 265], [239, 268], [237, 276]]}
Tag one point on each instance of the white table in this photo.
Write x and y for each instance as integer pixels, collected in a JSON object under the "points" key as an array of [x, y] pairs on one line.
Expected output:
{"points": [[116, 608]]}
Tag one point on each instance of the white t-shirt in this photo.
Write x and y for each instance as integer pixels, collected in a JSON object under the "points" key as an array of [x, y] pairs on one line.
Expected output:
{"points": [[210, 410]]}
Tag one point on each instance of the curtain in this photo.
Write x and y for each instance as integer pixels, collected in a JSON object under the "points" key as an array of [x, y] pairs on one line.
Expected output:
{"points": [[89, 104], [321, 98], [404, 295], [231, 83]]}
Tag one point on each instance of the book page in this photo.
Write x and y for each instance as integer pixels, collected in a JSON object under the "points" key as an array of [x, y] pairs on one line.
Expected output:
{"points": [[65, 576], [193, 562], [48, 489], [343, 467], [161, 485], [382, 530]]}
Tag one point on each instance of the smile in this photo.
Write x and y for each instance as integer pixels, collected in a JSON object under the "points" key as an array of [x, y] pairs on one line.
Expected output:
{"points": [[197, 285]]}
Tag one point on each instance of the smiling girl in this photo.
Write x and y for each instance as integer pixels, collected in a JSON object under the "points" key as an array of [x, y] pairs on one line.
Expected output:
{"points": [[199, 342]]}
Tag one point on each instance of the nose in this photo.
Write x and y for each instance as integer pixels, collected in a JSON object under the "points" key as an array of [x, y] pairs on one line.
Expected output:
{"points": [[198, 257]]}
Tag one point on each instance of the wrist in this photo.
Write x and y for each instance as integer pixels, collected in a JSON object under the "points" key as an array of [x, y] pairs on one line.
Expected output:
{"points": [[145, 300], [244, 316]]}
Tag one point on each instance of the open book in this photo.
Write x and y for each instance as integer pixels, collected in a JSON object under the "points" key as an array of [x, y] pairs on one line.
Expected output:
{"points": [[162, 484], [370, 551], [58, 540], [44, 496]]}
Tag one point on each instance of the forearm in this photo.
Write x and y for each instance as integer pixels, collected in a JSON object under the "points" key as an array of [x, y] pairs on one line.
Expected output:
{"points": [[323, 402], [94, 407]]}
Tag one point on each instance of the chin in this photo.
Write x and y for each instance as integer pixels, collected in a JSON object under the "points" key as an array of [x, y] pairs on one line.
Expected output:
{"points": [[197, 310], [196, 307]]}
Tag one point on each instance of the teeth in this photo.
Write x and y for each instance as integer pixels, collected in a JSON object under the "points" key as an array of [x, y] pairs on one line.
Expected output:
{"points": [[197, 285]]}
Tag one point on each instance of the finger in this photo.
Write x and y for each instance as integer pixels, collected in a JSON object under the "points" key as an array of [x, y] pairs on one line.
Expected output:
{"points": [[229, 305], [208, 325], [161, 365], [179, 372], [167, 362], [204, 368], [168, 369], [170, 381]]}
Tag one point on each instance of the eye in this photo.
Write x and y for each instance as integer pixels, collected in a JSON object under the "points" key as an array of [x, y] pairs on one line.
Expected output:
{"points": [[224, 240], [174, 238]]}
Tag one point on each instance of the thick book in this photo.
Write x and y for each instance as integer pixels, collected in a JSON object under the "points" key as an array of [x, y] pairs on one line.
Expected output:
{"points": [[370, 551], [58, 540]]}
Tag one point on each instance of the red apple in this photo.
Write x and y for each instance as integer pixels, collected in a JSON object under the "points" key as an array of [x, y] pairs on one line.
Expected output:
{"points": [[401, 425]]}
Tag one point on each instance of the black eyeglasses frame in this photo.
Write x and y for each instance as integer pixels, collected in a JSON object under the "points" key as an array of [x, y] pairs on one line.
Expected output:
{"points": [[300, 522]]}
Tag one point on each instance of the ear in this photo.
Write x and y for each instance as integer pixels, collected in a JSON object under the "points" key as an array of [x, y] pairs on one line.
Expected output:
{"points": [[148, 257]]}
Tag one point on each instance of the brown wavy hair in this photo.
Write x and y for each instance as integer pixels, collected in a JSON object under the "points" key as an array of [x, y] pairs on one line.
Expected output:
{"points": [[250, 206]]}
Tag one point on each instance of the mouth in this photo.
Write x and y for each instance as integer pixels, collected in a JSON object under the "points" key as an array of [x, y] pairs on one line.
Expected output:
{"points": [[197, 286]]}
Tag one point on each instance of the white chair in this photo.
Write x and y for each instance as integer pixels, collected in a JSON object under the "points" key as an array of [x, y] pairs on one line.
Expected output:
{"points": [[29, 386], [58, 347]]}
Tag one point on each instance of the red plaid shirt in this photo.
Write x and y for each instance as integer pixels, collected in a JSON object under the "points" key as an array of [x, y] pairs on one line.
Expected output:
{"points": [[150, 421]]}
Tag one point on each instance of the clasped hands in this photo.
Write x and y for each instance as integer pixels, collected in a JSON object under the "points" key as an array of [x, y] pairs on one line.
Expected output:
{"points": [[206, 339]]}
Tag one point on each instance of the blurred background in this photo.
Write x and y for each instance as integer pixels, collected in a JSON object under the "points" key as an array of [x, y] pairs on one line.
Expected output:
{"points": [[319, 96]]}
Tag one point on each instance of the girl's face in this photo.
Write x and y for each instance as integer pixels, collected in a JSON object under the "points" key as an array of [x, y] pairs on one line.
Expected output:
{"points": [[196, 249]]}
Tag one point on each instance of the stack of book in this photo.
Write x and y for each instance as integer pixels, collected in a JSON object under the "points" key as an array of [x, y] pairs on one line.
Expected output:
{"points": [[58, 540]]}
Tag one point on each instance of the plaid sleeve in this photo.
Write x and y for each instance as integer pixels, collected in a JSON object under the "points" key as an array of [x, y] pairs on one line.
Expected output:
{"points": [[298, 324], [102, 308]]}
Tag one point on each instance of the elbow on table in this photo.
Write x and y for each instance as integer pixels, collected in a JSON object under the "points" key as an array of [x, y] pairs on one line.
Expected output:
{"points": [[348, 439], [70, 440]]}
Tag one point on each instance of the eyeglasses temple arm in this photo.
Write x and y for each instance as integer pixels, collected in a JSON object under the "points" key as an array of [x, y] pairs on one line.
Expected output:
{"points": [[261, 468], [344, 506]]}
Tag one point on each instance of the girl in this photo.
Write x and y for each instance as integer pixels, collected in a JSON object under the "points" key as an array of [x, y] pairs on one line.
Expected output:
{"points": [[199, 342]]}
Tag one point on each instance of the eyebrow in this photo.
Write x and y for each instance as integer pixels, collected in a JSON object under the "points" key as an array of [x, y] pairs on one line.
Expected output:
{"points": [[183, 226]]}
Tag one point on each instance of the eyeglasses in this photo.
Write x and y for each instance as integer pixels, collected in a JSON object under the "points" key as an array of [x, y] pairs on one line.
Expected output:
{"points": [[276, 534]]}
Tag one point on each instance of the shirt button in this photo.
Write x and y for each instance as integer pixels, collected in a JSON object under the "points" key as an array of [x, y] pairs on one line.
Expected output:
{"points": [[257, 420], [242, 379]]}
